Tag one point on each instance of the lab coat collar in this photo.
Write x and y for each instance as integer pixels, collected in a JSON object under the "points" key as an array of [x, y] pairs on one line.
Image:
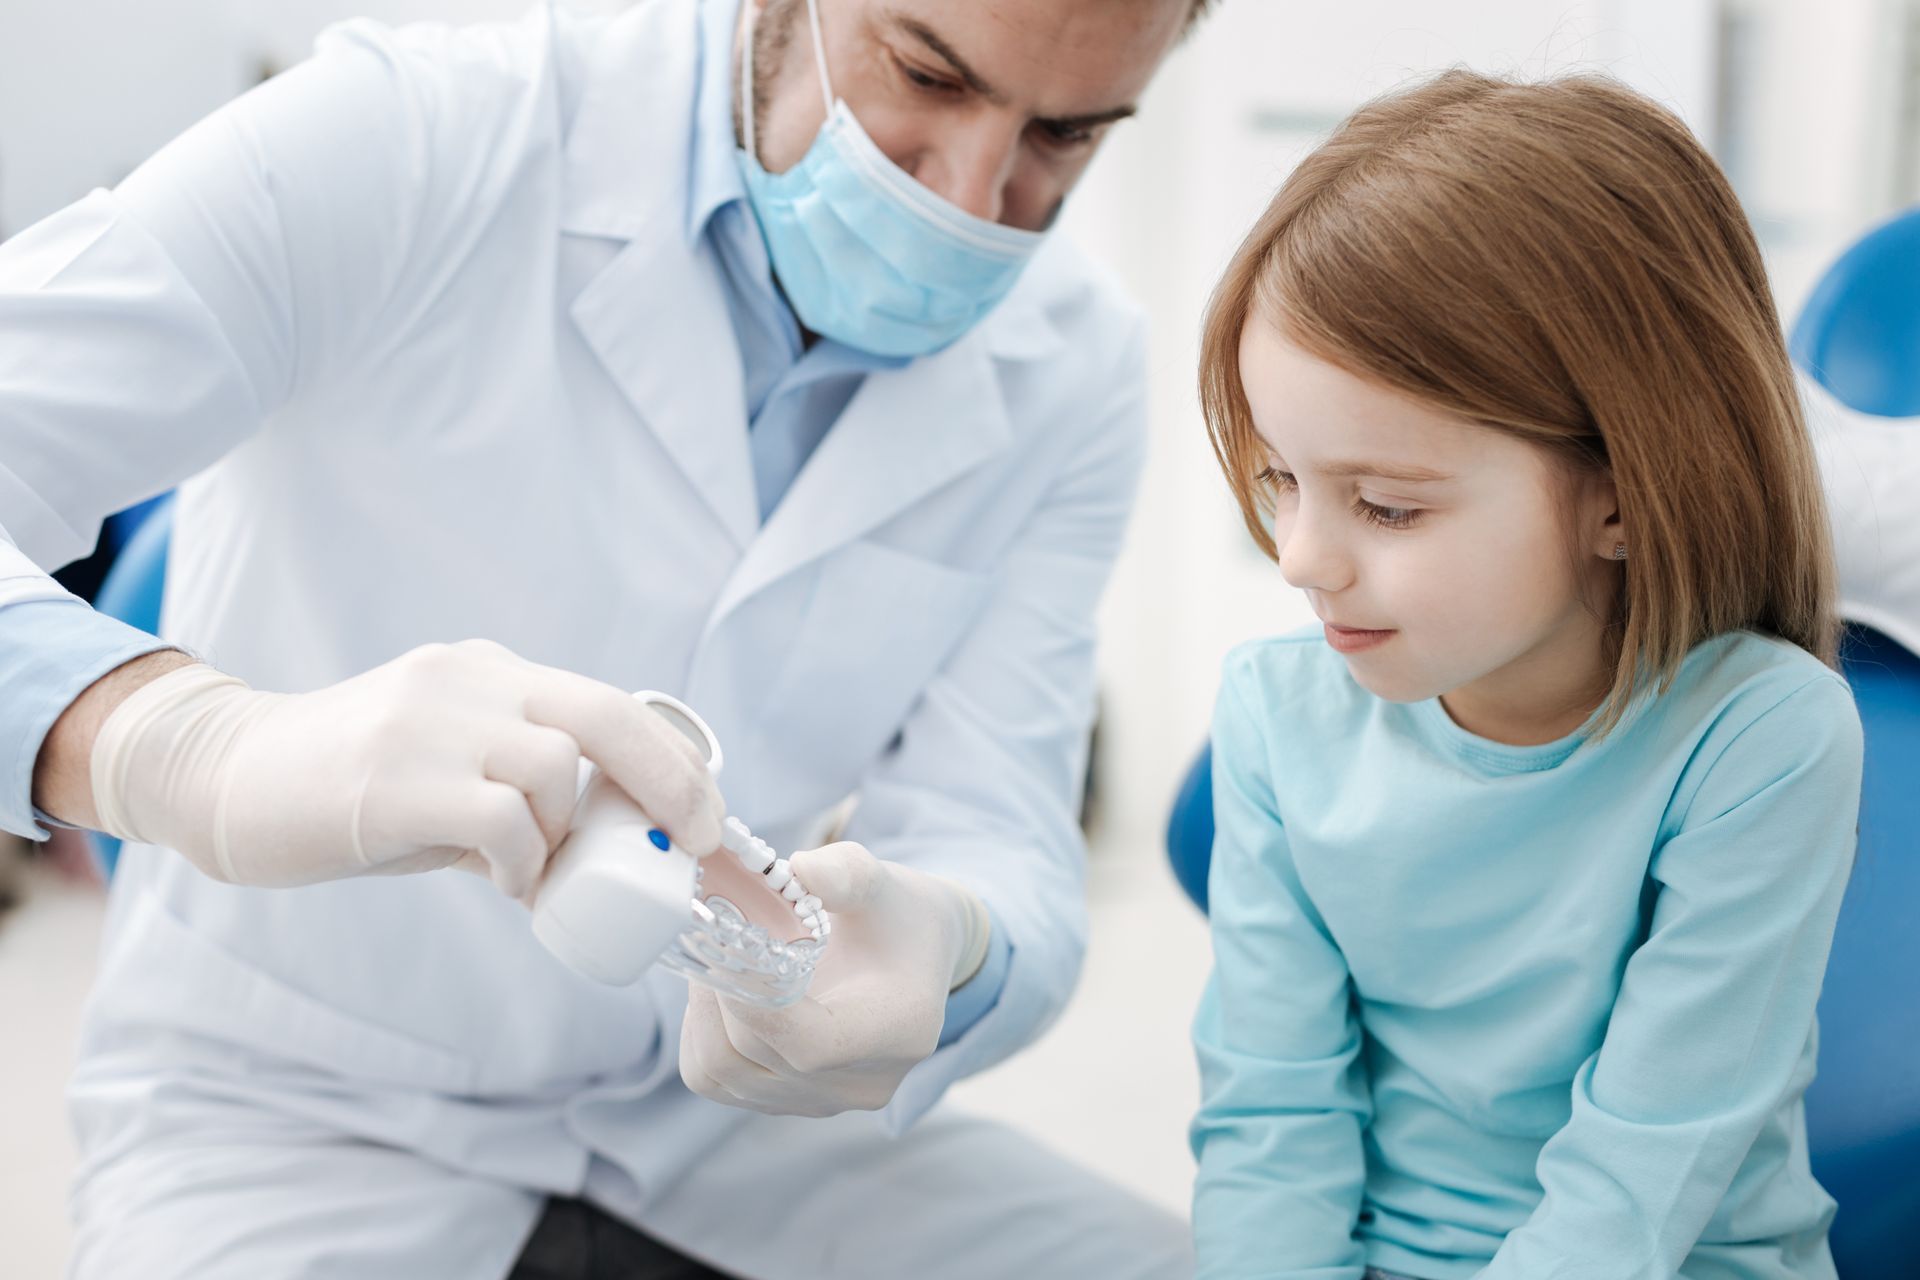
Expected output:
{"points": [[907, 433], [715, 180], [653, 136], [656, 314], [629, 143]]}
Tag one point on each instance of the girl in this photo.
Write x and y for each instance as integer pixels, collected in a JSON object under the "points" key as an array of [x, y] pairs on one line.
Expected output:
{"points": [[1528, 861]]}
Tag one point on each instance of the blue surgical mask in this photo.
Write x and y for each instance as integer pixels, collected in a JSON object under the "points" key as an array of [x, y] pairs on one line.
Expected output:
{"points": [[866, 254]]}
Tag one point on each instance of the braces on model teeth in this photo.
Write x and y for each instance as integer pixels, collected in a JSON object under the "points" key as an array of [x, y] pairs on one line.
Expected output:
{"points": [[726, 951], [757, 856]]}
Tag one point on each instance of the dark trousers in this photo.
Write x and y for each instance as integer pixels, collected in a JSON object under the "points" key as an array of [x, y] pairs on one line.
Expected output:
{"points": [[575, 1241]]}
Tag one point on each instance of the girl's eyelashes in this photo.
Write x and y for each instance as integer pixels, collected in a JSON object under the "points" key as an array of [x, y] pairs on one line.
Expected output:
{"points": [[1372, 512], [1386, 517]]}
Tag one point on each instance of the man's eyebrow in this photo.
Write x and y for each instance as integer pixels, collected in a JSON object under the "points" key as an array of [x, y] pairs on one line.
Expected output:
{"points": [[925, 35], [944, 51], [1382, 471]]}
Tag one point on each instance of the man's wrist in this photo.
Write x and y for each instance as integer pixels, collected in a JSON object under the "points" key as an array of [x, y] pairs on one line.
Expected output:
{"points": [[975, 938], [62, 772]]}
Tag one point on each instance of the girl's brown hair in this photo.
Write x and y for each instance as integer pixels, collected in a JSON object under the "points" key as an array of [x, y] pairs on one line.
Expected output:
{"points": [[1563, 262]]}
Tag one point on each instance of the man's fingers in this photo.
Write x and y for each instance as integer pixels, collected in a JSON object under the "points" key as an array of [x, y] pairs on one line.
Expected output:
{"points": [[470, 861], [650, 760], [777, 1039], [705, 1032], [696, 1077], [496, 821], [714, 1063], [844, 876], [544, 765], [806, 1038], [709, 1063]]}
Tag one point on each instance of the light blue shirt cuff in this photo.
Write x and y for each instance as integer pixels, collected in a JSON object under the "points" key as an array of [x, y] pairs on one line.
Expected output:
{"points": [[50, 651], [978, 994]]}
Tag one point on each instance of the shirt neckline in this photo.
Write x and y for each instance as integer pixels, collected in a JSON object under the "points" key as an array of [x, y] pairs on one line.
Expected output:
{"points": [[1497, 757]]}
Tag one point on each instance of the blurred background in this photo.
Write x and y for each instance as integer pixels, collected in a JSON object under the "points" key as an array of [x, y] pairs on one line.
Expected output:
{"points": [[1813, 108]]}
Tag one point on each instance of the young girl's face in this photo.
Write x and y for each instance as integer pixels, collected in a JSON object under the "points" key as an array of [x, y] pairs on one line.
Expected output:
{"points": [[1444, 558]]}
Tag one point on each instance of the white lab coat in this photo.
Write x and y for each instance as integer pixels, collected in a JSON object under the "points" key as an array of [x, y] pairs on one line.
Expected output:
{"points": [[420, 330]]}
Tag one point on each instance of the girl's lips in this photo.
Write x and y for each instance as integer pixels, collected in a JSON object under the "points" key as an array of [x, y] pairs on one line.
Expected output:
{"points": [[1354, 639]]}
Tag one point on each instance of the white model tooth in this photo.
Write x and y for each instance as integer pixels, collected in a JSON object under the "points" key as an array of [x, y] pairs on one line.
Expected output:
{"points": [[779, 875], [735, 838], [756, 857], [808, 906], [793, 891]]}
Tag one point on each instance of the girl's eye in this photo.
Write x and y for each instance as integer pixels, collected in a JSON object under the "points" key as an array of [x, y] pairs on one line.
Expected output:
{"points": [[1386, 517], [1280, 480]]}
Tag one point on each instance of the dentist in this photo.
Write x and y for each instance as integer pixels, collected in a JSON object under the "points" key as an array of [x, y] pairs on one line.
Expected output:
{"points": [[714, 349]]}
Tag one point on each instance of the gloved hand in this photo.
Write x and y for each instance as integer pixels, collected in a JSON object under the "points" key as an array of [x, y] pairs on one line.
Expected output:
{"points": [[449, 755], [902, 941]]}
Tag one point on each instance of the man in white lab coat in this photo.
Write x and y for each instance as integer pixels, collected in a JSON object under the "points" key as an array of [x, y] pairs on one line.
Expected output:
{"points": [[502, 370]]}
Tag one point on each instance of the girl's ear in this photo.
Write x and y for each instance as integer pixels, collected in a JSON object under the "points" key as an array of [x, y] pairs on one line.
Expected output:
{"points": [[1601, 531]]}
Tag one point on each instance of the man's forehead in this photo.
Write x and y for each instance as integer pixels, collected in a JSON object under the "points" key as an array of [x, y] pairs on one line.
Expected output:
{"points": [[1052, 57]]}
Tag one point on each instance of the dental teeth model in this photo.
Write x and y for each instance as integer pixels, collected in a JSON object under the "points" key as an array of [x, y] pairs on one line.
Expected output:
{"points": [[728, 951], [619, 897]]}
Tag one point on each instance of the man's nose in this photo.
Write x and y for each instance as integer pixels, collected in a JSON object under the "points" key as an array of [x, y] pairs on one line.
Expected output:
{"points": [[970, 169]]}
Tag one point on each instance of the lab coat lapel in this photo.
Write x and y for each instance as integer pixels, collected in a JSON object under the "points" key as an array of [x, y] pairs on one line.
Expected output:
{"points": [[657, 319], [656, 314], [907, 433]]}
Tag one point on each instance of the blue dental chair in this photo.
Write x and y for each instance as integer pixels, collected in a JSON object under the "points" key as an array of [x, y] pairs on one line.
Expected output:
{"points": [[1859, 336], [1859, 333]]}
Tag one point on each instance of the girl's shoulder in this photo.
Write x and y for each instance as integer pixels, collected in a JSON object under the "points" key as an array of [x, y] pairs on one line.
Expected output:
{"points": [[1752, 710], [1744, 676]]}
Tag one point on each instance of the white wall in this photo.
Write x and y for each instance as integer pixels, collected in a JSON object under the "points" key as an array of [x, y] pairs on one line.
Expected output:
{"points": [[1813, 145]]}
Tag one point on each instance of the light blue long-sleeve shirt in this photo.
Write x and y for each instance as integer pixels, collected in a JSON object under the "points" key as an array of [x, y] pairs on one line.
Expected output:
{"points": [[1519, 1012], [51, 650]]}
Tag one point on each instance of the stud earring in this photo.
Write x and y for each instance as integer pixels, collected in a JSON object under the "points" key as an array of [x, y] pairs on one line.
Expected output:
{"points": [[1619, 551]]}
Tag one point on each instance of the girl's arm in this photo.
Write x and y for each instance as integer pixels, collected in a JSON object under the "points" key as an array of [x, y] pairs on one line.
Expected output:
{"points": [[1715, 1012], [1283, 1095]]}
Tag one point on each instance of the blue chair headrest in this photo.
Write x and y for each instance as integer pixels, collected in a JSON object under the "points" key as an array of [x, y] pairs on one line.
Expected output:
{"points": [[1859, 334]]}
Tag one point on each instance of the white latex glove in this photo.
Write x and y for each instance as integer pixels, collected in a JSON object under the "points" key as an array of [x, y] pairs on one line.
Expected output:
{"points": [[449, 755], [902, 941]]}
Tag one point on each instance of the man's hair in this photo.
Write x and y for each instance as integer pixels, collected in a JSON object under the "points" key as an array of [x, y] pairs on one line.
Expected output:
{"points": [[1563, 262]]}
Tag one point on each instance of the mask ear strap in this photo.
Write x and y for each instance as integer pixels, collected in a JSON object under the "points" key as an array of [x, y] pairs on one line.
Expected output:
{"points": [[819, 54], [746, 67]]}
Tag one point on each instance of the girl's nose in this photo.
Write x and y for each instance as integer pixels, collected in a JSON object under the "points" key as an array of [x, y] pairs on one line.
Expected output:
{"points": [[1309, 559]]}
